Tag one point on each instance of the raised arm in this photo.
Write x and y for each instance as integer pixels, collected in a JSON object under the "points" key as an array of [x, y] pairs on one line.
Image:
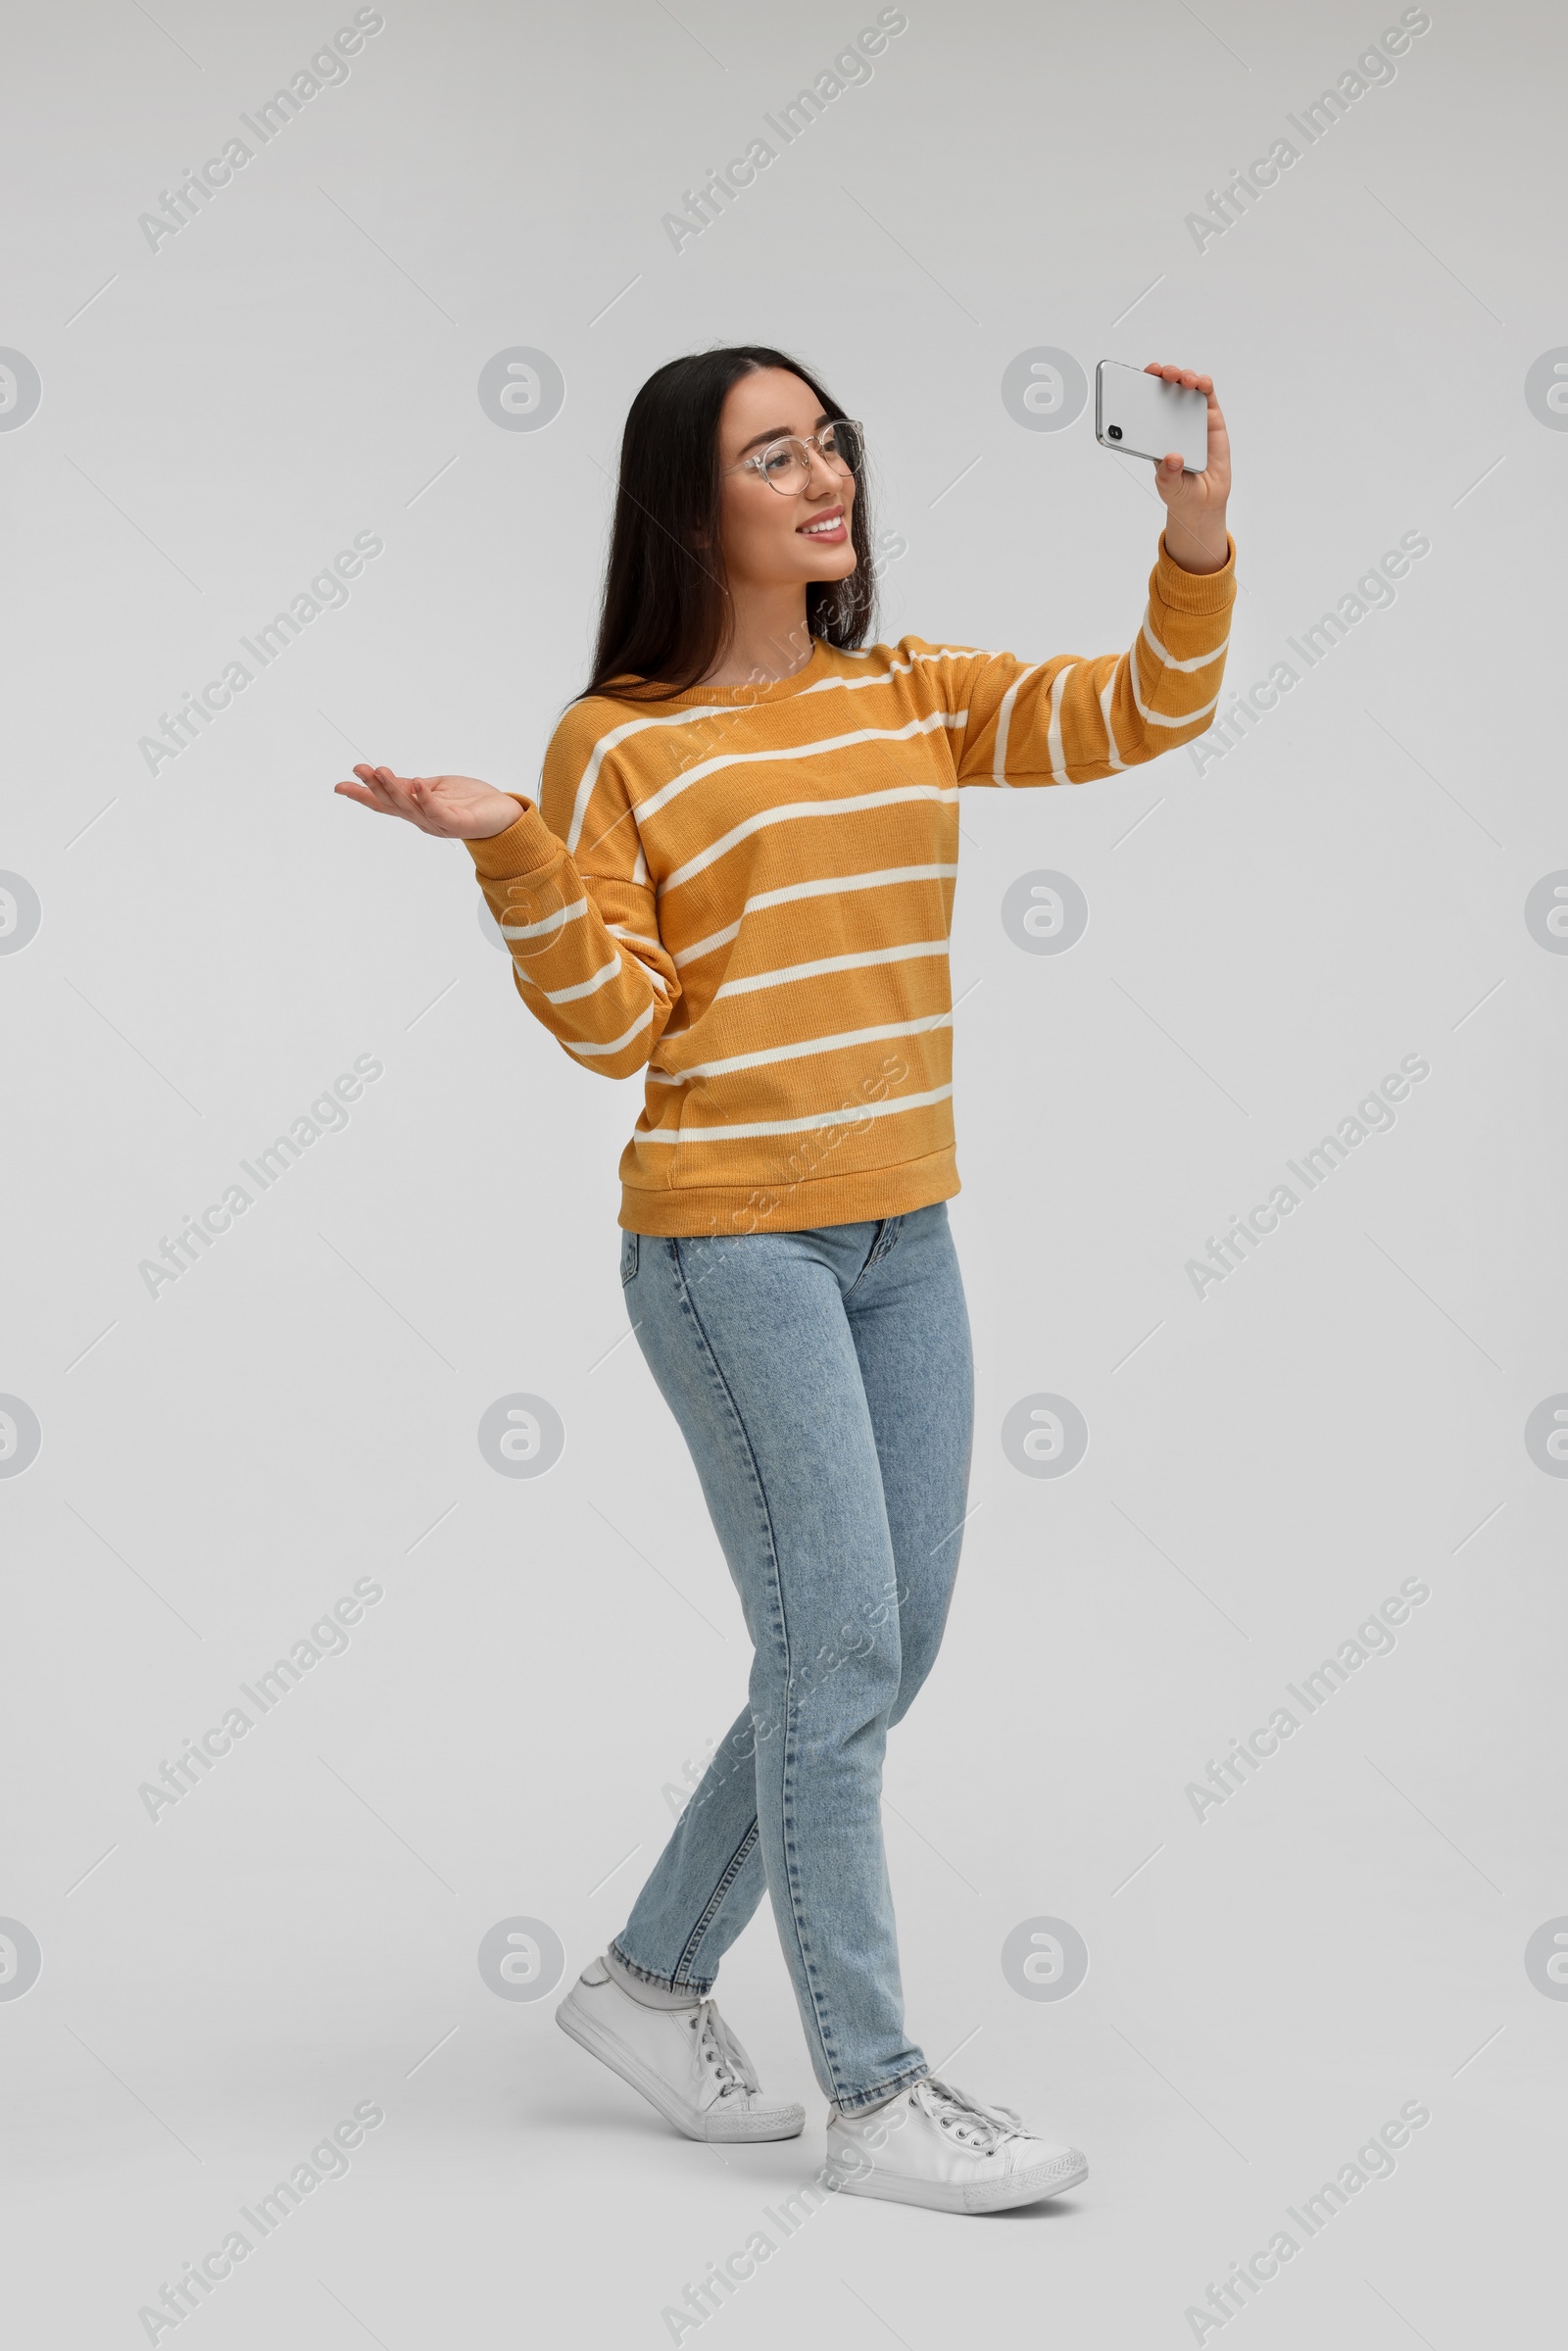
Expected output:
{"points": [[1069, 720]]}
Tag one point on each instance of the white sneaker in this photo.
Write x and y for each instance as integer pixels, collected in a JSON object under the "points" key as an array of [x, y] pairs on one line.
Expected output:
{"points": [[935, 2146], [685, 2061]]}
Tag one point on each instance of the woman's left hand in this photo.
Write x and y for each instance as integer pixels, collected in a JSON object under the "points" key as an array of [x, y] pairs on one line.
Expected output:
{"points": [[1194, 532]]}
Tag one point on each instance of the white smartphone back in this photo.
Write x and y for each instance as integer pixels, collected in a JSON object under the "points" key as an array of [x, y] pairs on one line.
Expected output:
{"points": [[1142, 416]]}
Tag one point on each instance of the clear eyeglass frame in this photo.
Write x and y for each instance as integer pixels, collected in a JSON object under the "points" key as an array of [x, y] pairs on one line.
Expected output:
{"points": [[785, 464]]}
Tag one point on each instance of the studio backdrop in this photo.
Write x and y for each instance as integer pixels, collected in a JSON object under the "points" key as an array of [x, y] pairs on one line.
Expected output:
{"points": [[364, 1629]]}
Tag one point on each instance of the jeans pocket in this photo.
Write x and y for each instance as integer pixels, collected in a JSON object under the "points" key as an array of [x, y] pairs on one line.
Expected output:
{"points": [[628, 1257]]}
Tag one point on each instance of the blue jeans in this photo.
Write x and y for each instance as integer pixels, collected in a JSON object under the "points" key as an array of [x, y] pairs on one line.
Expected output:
{"points": [[823, 1383]]}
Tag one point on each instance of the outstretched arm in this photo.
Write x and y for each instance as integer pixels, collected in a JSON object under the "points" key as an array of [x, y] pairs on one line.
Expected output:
{"points": [[1069, 720], [585, 949]]}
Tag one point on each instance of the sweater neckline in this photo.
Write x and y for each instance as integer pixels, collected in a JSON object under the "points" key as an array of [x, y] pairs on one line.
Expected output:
{"points": [[808, 674]]}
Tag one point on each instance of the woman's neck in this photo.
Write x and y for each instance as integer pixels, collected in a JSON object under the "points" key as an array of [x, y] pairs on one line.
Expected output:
{"points": [[769, 639]]}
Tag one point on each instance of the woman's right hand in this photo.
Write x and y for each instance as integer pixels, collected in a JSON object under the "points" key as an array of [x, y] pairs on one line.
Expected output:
{"points": [[454, 807]]}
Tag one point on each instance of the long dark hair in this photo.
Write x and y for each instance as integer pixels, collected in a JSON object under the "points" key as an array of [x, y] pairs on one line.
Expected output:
{"points": [[664, 614]]}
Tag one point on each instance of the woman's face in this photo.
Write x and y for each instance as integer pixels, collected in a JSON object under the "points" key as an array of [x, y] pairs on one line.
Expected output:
{"points": [[775, 541]]}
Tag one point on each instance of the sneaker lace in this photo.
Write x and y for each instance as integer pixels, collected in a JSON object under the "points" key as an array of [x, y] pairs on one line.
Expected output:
{"points": [[722, 2053], [968, 2121]]}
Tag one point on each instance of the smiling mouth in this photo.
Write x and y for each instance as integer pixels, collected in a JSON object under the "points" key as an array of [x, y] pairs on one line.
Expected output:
{"points": [[823, 526]]}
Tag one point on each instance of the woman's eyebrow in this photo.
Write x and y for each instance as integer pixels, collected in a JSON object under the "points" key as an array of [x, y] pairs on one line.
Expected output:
{"points": [[778, 432]]}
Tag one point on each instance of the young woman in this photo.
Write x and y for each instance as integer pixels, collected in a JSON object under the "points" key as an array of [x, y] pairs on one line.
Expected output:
{"points": [[739, 878]]}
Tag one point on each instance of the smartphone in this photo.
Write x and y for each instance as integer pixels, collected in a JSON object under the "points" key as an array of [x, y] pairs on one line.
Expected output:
{"points": [[1142, 416]]}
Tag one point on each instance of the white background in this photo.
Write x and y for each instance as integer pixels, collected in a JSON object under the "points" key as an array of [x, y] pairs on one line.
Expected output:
{"points": [[220, 939]]}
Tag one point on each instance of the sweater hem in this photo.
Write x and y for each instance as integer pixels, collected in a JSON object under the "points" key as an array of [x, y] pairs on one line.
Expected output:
{"points": [[698, 1211]]}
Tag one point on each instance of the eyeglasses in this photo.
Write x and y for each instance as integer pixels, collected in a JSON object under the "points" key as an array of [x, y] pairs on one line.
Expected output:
{"points": [[785, 464]]}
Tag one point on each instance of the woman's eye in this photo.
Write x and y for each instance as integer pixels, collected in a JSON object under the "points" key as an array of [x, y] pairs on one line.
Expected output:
{"points": [[778, 461]]}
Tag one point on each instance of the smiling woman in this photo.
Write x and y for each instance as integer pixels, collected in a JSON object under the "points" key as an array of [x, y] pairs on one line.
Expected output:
{"points": [[707, 533], [738, 880]]}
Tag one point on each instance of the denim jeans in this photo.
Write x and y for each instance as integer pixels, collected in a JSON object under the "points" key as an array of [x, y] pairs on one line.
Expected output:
{"points": [[823, 1383]]}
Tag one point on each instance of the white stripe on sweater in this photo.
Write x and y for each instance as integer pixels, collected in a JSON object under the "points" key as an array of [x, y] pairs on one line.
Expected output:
{"points": [[1200, 661], [656, 802], [1054, 752], [1159, 718], [943, 653], [616, 1043], [804, 1048], [824, 963], [827, 886], [552, 922], [999, 764], [1112, 755], [588, 987], [607, 742], [654, 947], [686, 1133], [851, 805], [617, 735]]}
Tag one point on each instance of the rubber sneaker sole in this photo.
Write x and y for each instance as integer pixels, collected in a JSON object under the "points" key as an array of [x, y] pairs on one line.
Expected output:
{"points": [[1041, 2180], [780, 2120]]}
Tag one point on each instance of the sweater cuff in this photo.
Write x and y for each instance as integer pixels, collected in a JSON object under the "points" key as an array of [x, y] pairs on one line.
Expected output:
{"points": [[1195, 591], [523, 848]]}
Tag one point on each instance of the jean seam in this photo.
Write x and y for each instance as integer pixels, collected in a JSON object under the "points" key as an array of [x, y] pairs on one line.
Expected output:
{"points": [[882, 1247], [870, 1258], [823, 2032], [894, 1238], [732, 1870]]}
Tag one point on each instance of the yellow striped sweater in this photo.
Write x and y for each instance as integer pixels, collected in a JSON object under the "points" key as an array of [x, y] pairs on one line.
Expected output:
{"points": [[746, 891]]}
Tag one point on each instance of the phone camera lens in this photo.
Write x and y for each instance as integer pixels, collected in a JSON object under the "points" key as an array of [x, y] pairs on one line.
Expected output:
{"points": [[1113, 433]]}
